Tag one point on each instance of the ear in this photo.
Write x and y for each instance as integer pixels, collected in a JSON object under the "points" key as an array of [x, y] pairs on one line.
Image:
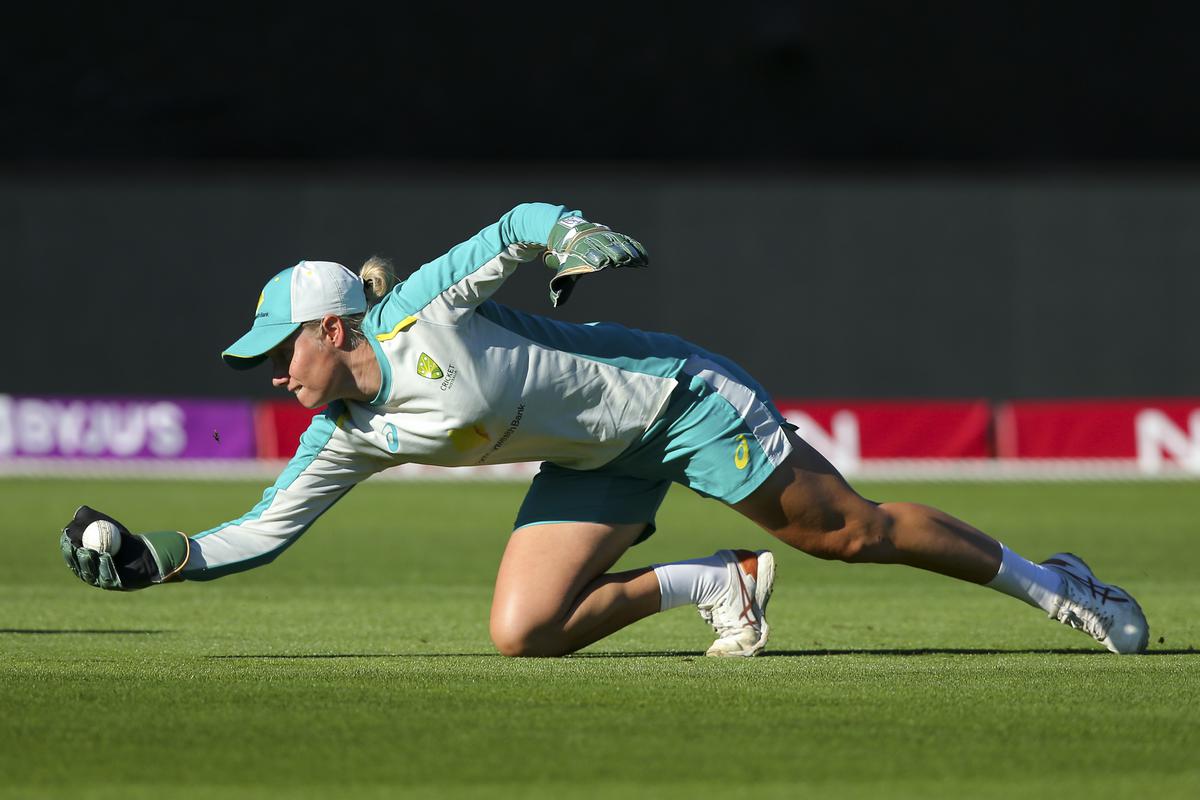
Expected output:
{"points": [[333, 331]]}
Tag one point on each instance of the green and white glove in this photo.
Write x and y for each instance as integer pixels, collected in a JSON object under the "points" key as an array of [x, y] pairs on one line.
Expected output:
{"points": [[142, 560], [578, 247]]}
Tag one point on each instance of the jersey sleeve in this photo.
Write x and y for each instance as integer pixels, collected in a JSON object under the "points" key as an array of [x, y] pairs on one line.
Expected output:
{"points": [[326, 466], [452, 285]]}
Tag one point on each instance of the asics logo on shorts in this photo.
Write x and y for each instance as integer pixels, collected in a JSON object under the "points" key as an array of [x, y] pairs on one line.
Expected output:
{"points": [[741, 454]]}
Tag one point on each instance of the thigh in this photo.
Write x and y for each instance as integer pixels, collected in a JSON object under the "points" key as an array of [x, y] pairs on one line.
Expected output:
{"points": [[546, 567], [572, 527], [804, 497]]}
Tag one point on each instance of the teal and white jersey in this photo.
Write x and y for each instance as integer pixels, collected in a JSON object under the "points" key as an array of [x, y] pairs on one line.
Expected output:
{"points": [[466, 381]]}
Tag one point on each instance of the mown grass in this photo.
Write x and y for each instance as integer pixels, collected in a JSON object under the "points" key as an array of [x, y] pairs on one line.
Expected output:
{"points": [[359, 665]]}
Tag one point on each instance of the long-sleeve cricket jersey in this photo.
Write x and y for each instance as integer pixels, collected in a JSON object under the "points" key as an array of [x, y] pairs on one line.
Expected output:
{"points": [[466, 381]]}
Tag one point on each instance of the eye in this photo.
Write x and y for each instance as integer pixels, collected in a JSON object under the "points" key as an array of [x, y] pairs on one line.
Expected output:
{"points": [[281, 356]]}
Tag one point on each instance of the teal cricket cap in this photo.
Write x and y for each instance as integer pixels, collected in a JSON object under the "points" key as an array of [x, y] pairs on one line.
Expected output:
{"points": [[299, 294]]}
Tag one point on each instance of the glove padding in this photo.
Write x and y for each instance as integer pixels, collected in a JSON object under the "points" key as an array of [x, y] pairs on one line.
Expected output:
{"points": [[577, 247], [143, 559]]}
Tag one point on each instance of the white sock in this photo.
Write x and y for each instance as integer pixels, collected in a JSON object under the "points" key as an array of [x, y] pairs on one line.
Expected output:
{"points": [[699, 580], [1027, 581]]}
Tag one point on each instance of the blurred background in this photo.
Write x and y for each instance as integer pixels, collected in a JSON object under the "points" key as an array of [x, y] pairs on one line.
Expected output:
{"points": [[854, 200]]}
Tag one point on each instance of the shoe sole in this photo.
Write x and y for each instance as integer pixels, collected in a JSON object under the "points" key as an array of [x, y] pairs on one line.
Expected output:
{"points": [[764, 584]]}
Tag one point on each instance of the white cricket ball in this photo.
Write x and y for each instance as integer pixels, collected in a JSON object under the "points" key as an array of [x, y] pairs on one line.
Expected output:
{"points": [[102, 536]]}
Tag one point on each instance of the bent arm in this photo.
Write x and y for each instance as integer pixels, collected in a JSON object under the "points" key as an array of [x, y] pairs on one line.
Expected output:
{"points": [[472, 271], [326, 466]]}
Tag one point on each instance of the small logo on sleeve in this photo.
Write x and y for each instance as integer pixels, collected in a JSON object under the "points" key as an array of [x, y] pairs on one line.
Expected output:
{"points": [[392, 437], [428, 368], [741, 454]]}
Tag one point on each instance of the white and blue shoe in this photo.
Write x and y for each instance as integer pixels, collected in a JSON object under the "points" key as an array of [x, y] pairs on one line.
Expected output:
{"points": [[1108, 613]]}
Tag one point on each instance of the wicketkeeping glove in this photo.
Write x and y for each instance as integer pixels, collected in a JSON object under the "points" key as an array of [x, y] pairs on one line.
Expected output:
{"points": [[577, 247], [142, 560]]}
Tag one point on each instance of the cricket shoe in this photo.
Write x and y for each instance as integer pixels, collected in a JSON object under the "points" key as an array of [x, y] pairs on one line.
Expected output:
{"points": [[739, 615], [1107, 612]]}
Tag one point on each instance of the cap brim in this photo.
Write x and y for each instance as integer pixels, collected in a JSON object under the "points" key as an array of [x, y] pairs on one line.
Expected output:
{"points": [[251, 350]]}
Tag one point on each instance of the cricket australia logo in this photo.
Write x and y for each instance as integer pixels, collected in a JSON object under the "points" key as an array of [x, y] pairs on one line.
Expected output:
{"points": [[428, 368]]}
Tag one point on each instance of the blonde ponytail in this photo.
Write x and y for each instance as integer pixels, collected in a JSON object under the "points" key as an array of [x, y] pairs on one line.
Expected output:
{"points": [[378, 278]]}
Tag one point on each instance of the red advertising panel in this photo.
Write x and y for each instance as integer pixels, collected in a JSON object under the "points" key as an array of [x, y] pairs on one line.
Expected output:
{"points": [[1152, 432], [278, 425], [1140, 436], [848, 433]]}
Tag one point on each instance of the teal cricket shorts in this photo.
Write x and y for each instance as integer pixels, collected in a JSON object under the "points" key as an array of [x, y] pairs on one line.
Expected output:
{"points": [[719, 435]]}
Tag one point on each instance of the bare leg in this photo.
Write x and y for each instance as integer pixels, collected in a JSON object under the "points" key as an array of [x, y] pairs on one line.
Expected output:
{"points": [[808, 505], [552, 596]]}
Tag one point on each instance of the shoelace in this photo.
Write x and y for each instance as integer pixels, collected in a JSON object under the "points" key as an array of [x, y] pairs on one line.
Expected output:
{"points": [[728, 625], [724, 631], [722, 627], [1081, 617]]}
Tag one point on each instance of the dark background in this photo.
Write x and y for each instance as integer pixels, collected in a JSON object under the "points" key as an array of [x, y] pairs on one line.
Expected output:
{"points": [[852, 199]]}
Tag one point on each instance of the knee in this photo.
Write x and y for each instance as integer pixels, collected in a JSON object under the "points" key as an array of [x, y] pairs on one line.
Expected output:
{"points": [[518, 639], [864, 536]]}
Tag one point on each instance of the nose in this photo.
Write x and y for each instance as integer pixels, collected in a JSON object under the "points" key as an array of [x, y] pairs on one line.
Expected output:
{"points": [[279, 374]]}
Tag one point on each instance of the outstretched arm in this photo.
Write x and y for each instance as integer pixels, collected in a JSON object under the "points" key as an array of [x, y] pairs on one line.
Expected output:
{"points": [[472, 271], [327, 465], [452, 285]]}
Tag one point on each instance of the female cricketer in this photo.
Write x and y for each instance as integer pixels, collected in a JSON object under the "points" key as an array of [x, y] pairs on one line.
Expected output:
{"points": [[433, 371]]}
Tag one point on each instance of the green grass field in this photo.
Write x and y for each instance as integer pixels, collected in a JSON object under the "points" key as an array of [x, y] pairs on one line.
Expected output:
{"points": [[359, 664]]}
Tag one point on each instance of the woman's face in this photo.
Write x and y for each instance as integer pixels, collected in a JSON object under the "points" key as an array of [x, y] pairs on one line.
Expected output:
{"points": [[307, 367]]}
